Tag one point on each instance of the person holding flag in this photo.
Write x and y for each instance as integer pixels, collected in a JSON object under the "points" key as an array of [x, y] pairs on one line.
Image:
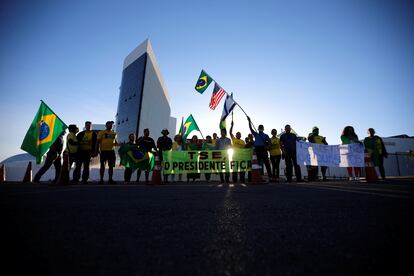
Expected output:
{"points": [[124, 151], [261, 145], [53, 156], [146, 144], [133, 158]]}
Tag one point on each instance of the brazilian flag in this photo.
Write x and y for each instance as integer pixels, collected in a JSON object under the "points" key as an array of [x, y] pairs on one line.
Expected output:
{"points": [[134, 158], [189, 125], [42, 133], [203, 82]]}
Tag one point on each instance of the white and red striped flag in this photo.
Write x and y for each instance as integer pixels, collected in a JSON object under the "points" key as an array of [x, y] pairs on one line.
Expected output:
{"points": [[217, 95]]}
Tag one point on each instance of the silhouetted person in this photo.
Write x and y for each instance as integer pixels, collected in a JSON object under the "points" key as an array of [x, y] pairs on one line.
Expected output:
{"points": [[288, 145]]}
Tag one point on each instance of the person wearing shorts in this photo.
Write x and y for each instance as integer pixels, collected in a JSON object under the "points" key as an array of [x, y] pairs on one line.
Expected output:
{"points": [[106, 142]]}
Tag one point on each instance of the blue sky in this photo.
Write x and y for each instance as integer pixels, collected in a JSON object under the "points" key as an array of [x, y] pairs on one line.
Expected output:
{"points": [[306, 63]]}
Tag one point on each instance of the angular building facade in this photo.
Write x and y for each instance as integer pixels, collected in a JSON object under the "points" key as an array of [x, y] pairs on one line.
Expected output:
{"points": [[143, 99]]}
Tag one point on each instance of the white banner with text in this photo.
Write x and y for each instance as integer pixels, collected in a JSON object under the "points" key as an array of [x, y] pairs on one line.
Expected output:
{"points": [[351, 155]]}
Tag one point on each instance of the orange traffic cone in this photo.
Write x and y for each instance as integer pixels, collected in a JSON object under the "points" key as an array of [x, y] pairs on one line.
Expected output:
{"points": [[256, 168], [370, 173], [64, 172], [156, 173], [2, 174], [28, 175]]}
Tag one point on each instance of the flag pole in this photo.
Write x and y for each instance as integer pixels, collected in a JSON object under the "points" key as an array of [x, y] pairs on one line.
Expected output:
{"points": [[241, 109]]}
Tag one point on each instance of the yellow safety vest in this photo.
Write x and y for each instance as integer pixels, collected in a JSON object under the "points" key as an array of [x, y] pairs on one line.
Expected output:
{"points": [[71, 148]]}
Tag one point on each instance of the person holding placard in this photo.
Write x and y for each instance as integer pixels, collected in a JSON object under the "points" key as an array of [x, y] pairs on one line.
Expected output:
{"points": [[349, 137]]}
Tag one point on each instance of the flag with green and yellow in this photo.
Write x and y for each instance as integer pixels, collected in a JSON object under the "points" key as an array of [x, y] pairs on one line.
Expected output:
{"points": [[203, 82], [42, 133], [189, 125]]}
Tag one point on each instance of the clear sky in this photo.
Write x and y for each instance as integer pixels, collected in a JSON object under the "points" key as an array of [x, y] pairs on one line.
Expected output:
{"points": [[306, 63]]}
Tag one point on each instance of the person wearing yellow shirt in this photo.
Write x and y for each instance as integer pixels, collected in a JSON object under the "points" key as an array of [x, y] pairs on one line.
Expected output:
{"points": [[106, 142], [72, 145], [238, 143], [87, 145], [314, 137], [275, 153], [214, 140]]}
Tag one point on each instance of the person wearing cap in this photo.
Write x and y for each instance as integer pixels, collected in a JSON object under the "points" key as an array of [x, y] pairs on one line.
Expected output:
{"points": [[87, 145], [106, 140], [314, 137], [146, 144], [72, 145], [288, 146], [164, 143]]}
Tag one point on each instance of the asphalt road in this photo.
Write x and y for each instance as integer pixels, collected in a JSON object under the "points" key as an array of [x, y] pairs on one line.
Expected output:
{"points": [[334, 228]]}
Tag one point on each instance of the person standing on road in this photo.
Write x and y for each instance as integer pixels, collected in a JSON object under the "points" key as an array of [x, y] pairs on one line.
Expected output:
{"points": [[376, 148], [288, 145], [178, 145], [223, 143], [315, 138], [238, 143], [193, 146], [106, 140], [208, 145], [72, 146], [125, 149], [87, 144], [53, 156], [146, 144], [261, 146], [164, 143], [214, 140], [275, 154], [349, 137], [249, 145]]}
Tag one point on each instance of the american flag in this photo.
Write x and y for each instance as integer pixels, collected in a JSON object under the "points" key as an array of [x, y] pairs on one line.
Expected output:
{"points": [[218, 93]]}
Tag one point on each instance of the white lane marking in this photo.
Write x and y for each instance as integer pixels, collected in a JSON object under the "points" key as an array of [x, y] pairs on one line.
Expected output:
{"points": [[350, 191]]}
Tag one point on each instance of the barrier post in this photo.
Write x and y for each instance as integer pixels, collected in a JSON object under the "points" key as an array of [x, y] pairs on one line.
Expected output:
{"points": [[256, 169], [28, 174], [2, 174], [64, 172], [370, 173], [156, 172]]}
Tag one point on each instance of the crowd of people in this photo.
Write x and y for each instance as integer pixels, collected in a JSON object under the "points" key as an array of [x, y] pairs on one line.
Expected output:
{"points": [[82, 146]]}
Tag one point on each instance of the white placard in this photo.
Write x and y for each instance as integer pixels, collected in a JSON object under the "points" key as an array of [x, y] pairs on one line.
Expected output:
{"points": [[351, 155]]}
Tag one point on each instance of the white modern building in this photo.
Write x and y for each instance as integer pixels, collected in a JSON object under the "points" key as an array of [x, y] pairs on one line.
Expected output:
{"points": [[143, 98]]}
